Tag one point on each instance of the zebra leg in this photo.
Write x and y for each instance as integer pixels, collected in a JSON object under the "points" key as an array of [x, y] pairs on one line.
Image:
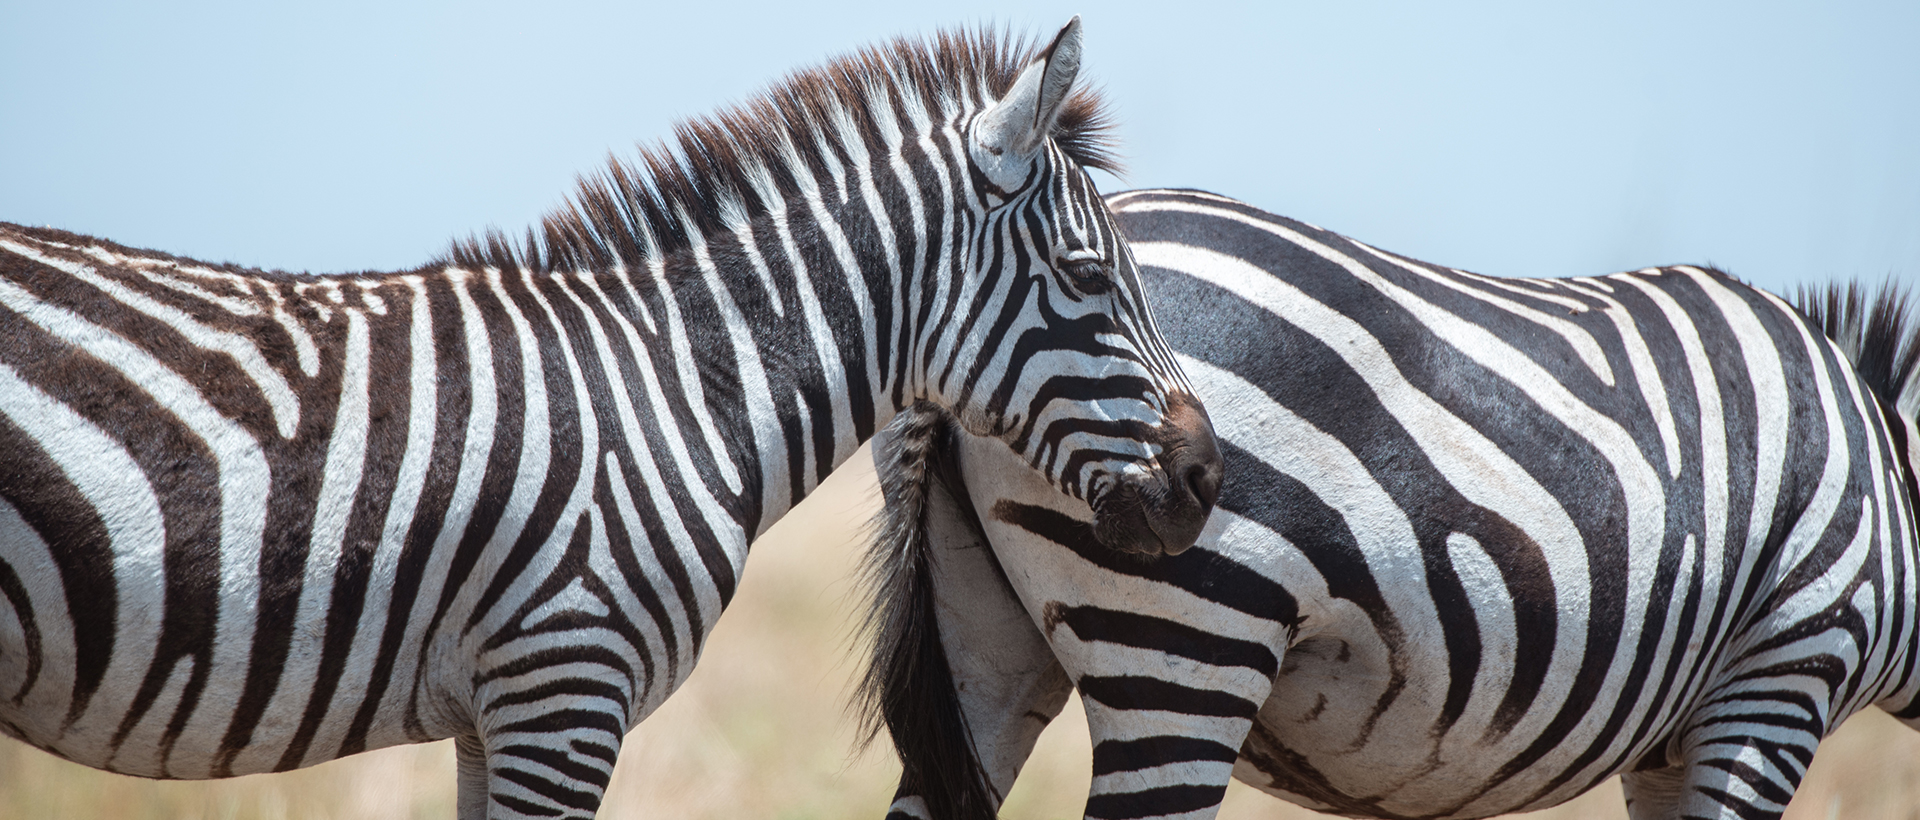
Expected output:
{"points": [[1171, 683], [1006, 682], [1752, 781], [1653, 794], [1164, 744], [470, 762], [554, 765], [1737, 763], [546, 725]]}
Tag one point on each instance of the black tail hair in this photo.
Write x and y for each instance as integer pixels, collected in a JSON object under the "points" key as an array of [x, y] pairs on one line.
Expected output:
{"points": [[1880, 335], [908, 686], [1878, 332]]}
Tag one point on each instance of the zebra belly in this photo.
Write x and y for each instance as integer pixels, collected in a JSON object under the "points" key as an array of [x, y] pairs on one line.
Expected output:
{"points": [[145, 702], [1324, 740], [148, 705], [1360, 725]]}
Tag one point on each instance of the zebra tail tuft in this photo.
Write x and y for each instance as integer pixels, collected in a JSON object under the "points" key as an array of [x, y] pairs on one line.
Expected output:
{"points": [[907, 687], [1878, 331]]}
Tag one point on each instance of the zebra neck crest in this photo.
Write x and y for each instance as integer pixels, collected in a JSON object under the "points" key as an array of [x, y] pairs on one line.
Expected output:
{"points": [[805, 138]]}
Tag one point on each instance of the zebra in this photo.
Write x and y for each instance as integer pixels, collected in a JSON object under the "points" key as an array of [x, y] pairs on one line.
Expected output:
{"points": [[255, 520], [1485, 543]]}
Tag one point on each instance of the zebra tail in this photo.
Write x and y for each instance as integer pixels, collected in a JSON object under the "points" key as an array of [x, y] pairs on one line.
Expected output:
{"points": [[1880, 333], [908, 687]]}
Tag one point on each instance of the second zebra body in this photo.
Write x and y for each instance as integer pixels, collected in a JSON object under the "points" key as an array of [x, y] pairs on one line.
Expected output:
{"points": [[1484, 543]]}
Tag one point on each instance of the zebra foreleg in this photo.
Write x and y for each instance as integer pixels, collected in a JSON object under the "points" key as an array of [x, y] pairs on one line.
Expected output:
{"points": [[552, 763]]}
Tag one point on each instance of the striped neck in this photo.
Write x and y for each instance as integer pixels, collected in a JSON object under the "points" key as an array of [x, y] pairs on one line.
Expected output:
{"points": [[809, 236], [787, 331]]}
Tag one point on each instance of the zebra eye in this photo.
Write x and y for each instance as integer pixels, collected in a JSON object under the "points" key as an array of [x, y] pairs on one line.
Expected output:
{"points": [[1089, 275]]}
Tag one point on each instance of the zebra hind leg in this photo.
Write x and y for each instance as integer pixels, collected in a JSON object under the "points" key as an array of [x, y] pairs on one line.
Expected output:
{"points": [[1735, 769], [470, 762], [1653, 794], [1747, 783]]}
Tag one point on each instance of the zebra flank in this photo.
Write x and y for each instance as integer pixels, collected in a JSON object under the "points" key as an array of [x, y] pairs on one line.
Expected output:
{"points": [[253, 520], [1484, 543]]}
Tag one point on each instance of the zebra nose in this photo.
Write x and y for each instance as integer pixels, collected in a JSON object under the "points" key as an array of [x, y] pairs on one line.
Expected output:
{"points": [[1194, 469], [1164, 513], [1191, 498]]}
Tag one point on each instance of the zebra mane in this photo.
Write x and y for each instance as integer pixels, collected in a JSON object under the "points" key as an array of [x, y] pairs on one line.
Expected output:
{"points": [[908, 688], [723, 170], [1879, 332]]}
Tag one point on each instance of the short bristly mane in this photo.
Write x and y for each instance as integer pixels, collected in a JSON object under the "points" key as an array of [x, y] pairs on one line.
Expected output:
{"points": [[723, 169]]}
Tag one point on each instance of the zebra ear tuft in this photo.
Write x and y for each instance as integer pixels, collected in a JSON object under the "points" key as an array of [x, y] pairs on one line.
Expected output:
{"points": [[1006, 138]]}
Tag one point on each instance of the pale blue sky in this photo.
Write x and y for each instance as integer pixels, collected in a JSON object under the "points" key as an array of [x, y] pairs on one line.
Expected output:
{"points": [[1779, 141]]}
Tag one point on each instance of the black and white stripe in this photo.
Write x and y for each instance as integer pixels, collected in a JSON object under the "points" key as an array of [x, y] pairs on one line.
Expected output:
{"points": [[254, 520], [1484, 543]]}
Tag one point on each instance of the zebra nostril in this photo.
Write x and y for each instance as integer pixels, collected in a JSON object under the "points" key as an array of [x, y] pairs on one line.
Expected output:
{"points": [[1194, 468], [1203, 480]]}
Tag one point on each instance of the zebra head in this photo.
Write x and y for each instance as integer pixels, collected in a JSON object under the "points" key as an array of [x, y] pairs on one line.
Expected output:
{"points": [[1055, 352]]}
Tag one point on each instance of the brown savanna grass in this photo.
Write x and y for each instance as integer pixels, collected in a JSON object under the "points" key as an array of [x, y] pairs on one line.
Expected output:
{"points": [[761, 731]]}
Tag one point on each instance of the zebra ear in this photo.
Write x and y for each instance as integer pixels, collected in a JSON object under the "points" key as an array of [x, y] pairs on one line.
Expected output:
{"points": [[1007, 137]]}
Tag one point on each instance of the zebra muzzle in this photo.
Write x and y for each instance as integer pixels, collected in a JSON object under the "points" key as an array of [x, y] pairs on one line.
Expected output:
{"points": [[1162, 511]]}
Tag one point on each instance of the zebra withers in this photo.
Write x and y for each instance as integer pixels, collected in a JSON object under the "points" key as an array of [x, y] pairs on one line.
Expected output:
{"points": [[256, 520], [1486, 542]]}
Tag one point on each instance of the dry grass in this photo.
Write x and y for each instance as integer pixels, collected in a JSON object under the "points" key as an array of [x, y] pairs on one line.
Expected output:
{"points": [[760, 731]]}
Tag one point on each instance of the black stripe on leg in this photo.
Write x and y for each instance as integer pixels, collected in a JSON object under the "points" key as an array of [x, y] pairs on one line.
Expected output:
{"points": [[1129, 692], [1147, 752], [1155, 802]]}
